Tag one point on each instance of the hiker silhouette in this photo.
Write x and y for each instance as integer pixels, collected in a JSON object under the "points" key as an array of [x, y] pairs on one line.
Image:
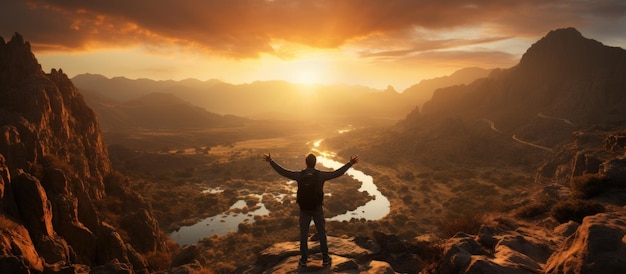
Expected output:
{"points": [[310, 200]]}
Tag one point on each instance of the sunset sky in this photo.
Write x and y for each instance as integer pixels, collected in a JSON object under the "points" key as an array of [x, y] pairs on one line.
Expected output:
{"points": [[371, 42]]}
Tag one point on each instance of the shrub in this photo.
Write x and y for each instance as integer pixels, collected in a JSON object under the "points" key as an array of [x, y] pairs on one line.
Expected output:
{"points": [[158, 260], [468, 223], [588, 185], [575, 210], [535, 209]]}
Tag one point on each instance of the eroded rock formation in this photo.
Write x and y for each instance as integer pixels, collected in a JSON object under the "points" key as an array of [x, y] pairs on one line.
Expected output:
{"points": [[56, 177]]}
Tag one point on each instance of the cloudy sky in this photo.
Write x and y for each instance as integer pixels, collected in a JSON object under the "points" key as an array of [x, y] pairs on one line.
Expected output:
{"points": [[367, 42]]}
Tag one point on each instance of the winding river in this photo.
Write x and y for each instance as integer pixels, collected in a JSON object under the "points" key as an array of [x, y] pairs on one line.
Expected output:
{"points": [[228, 221]]}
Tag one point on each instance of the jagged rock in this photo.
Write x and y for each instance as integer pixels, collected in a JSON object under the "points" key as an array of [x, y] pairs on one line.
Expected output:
{"points": [[191, 268], [615, 143], [143, 230], [33, 204], [615, 170], [17, 251], [54, 250], [140, 265], [523, 250], [112, 267], [379, 267], [53, 165], [585, 164], [284, 256], [598, 246], [110, 245], [566, 229], [186, 255]]}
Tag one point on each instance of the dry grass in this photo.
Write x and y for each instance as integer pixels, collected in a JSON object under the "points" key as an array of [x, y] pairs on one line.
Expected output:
{"points": [[467, 223]]}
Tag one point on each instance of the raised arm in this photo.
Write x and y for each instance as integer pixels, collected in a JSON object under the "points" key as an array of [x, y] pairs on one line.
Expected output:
{"points": [[334, 174], [293, 175]]}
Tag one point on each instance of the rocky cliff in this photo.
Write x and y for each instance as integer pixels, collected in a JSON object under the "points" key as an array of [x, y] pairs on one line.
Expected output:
{"points": [[62, 207]]}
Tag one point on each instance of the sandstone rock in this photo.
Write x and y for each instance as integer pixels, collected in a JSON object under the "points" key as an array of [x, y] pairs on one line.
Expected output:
{"points": [[191, 268], [110, 246], [186, 255], [379, 267], [17, 251], [585, 164], [536, 249], [112, 267], [566, 229], [139, 263], [34, 207], [598, 246], [283, 257], [615, 171], [143, 230]]}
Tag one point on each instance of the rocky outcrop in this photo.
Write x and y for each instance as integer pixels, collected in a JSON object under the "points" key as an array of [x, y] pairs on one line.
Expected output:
{"points": [[347, 257], [598, 246], [595, 246], [56, 179]]}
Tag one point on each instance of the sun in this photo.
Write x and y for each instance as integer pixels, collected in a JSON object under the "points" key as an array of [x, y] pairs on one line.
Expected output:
{"points": [[308, 70], [308, 76]]}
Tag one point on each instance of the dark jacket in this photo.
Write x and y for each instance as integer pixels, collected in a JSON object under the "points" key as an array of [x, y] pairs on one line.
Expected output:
{"points": [[323, 175]]}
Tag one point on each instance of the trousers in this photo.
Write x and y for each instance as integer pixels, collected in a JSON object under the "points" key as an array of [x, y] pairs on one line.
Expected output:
{"points": [[320, 225]]}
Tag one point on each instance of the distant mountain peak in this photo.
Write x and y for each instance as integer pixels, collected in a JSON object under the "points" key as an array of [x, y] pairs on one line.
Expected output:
{"points": [[562, 48]]}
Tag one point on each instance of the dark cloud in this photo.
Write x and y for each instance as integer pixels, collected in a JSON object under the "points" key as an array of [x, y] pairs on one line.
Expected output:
{"points": [[246, 28]]}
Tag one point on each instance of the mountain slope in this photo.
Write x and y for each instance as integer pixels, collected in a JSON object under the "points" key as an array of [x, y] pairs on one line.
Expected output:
{"points": [[564, 82], [156, 111], [423, 91], [63, 208]]}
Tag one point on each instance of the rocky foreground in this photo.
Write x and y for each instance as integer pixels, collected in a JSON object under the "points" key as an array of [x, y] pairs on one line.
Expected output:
{"points": [[598, 245]]}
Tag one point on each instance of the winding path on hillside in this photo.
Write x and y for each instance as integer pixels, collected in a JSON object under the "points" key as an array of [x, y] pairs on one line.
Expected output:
{"points": [[541, 115], [493, 127]]}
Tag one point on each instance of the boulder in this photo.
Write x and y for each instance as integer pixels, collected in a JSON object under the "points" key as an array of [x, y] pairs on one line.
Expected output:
{"points": [[187, 254], [34, 207], [17, 250], [110, 246], [143, 230], [598, 246], [113, 267]]}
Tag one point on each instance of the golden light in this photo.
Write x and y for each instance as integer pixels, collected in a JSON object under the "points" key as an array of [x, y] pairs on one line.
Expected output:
{"points": [[308, 70]]}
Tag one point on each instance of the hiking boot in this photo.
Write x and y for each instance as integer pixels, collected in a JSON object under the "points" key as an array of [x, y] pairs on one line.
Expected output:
{"points": [[326, 262], [301, 263]]}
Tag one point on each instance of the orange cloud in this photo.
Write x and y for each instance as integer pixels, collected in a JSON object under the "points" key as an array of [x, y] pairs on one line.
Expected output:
{"points": [[248, 28]]}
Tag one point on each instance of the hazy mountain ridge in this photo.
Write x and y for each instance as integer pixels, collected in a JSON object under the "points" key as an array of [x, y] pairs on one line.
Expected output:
{"points": [[423, 91], [155, 111], [63, 208], [278, 99]]}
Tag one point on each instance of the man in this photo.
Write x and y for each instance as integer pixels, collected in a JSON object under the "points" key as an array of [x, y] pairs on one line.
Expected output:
{"points": [[317, 213]]}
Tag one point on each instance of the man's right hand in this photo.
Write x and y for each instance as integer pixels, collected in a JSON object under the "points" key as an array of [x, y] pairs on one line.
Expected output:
{"points": [[354, 159]]}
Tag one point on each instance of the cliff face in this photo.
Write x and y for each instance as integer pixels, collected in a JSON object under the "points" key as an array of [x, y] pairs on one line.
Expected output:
{"points": [[56, 179]]}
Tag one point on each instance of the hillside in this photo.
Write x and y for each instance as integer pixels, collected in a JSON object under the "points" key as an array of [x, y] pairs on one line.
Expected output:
{"points": [[563, 83], [63, 209], [156, 111]]}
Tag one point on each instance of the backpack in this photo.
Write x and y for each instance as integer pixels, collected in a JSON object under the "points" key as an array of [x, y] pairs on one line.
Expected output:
{"points": [[310, 193]]}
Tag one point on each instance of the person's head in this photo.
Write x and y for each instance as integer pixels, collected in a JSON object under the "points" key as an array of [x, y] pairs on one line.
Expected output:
{"points": [[311, 160]]}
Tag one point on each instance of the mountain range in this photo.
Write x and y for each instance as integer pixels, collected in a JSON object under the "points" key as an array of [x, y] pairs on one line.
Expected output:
{"points": [[563, 83], [269, 99]]}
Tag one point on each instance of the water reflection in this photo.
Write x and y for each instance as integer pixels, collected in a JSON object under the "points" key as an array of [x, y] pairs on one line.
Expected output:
{"points": [[218, 224], [228, 221], [375, 209]]}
